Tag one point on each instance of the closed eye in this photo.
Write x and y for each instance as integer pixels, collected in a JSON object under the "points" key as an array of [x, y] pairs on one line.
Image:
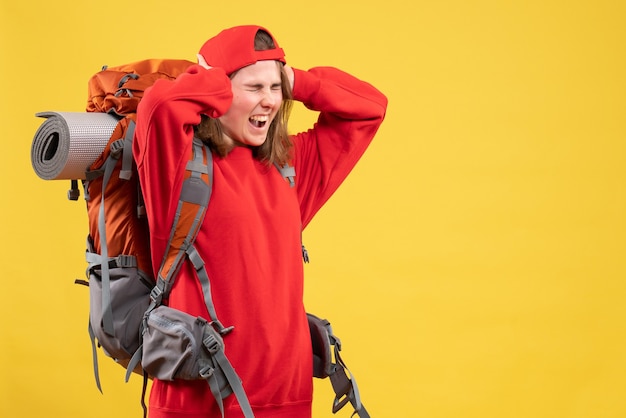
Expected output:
{"points": [[257, 87]]}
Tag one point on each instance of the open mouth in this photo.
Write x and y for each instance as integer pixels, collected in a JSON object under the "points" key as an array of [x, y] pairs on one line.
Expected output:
{"points": [[259, 121]]}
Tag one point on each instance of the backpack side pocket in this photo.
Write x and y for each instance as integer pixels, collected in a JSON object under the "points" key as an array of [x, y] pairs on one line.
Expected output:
{"points": [[130, 297]]}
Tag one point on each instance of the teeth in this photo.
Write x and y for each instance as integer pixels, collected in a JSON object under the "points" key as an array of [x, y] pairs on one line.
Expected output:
{"points": [[259, 118]]}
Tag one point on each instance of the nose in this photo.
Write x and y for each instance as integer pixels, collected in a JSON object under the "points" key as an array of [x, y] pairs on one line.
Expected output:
{"points": [[269, 98]]}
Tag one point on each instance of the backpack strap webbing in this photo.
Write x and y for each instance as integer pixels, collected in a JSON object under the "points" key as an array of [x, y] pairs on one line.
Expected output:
{"points": [[127, 152], [103, 260], [109, 166], [288, 172], [192, 205], [345, 388]]}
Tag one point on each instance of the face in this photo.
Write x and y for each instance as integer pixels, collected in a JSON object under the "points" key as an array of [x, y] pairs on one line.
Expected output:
{"points": [[257, 96]]}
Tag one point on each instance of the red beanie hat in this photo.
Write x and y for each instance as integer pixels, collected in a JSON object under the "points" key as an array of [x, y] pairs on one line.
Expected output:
{"points": [[233, 48]]}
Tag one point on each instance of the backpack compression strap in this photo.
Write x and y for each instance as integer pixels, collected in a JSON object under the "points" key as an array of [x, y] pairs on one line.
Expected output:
{"points": [[346, 389], [116, 148]]}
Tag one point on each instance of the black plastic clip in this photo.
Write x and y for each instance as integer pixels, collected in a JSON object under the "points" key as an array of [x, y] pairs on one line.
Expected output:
{"points": [[217, 326]]}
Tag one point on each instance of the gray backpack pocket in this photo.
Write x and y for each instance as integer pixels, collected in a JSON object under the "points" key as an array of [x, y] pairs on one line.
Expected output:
{"points": [[177, 345], [129, 299]]}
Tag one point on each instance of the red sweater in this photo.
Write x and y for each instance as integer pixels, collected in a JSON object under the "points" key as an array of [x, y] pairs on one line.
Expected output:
{"points": [[250, 239]]}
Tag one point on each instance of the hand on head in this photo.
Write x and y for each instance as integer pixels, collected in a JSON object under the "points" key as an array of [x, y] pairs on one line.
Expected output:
{"points": [[202, 62], [290, 76]]}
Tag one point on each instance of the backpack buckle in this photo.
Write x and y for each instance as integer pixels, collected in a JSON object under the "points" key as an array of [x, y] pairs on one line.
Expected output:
{"points": [[211, 344], [156, 295], [127, 261], [206, 372], [127, 77], [116, 148], [73, 193]]}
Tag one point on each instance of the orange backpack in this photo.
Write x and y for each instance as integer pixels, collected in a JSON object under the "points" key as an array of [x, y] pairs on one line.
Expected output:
{"points": [[118, 228]]}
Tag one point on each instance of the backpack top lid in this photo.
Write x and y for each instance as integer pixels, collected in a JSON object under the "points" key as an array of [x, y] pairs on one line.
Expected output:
{"points": [[119, 89], [233, 48]]}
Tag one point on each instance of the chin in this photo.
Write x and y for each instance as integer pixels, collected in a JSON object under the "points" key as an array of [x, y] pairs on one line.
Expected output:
{"points": [[254, 142]]}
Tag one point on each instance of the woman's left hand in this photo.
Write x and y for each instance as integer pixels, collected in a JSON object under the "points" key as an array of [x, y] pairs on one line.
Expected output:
{"points": [[290, 75]]}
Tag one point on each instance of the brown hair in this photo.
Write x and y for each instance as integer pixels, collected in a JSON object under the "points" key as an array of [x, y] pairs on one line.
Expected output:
{"points": [[277, 146]]}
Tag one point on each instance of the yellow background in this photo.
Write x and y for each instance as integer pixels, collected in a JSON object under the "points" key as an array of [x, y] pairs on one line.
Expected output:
{"points": [[473, 264]]}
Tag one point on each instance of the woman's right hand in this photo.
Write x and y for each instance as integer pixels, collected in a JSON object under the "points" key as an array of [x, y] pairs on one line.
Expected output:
{"points": [[202, 62]]}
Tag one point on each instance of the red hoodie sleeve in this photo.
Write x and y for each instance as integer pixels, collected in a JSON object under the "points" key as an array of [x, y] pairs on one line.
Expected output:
{"points": [[163, 136], [351, 112]]}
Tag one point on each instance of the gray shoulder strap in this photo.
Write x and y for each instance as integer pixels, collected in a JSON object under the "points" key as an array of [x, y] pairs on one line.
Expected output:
{"points": [[198, 193], [127, 155], [288, 173]]}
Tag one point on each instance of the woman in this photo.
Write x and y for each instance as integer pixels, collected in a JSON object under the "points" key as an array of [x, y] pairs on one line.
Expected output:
{"points": [[237, 100]]}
